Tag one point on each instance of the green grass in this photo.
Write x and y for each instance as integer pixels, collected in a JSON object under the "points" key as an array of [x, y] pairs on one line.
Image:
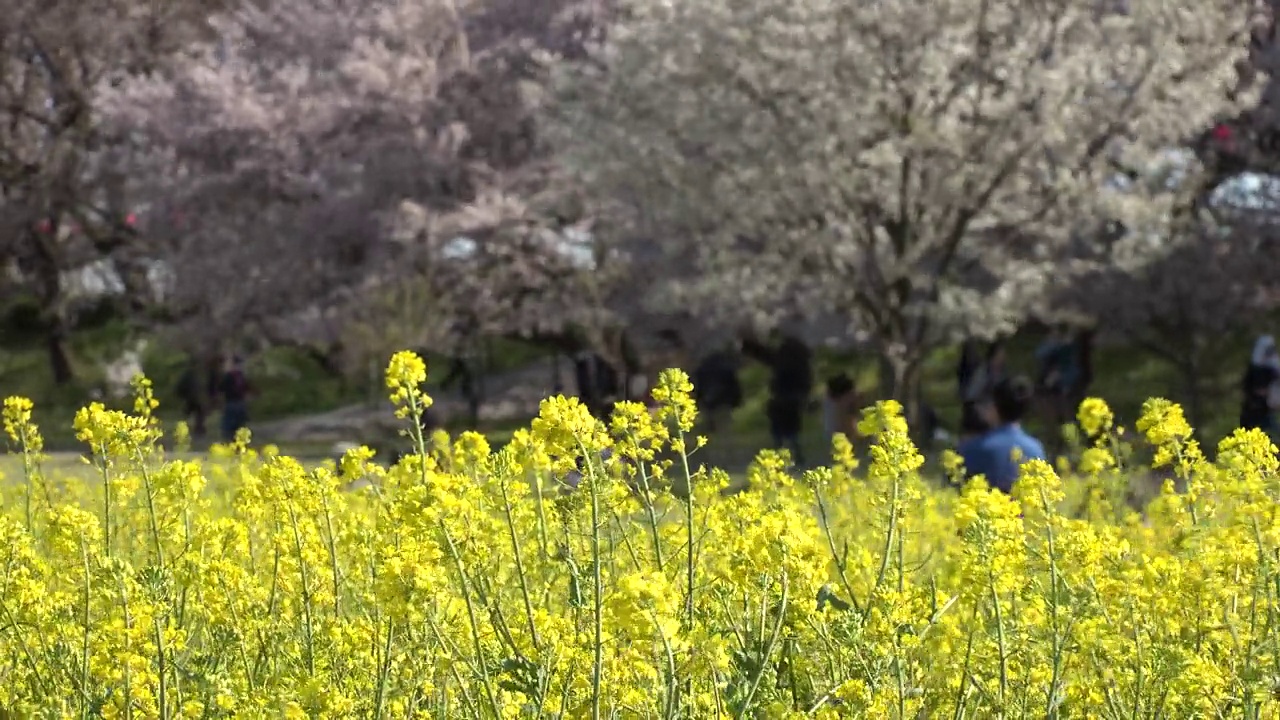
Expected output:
{"points": [[1123, 376], [290, 383]]}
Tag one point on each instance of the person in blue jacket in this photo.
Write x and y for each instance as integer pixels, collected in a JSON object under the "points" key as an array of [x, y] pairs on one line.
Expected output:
{"points": [[998, 453]]}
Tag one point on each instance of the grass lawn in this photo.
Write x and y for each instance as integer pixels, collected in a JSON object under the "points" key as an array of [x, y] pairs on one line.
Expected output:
{"points": [[289, 383], [292, 384], [1124, 377]]}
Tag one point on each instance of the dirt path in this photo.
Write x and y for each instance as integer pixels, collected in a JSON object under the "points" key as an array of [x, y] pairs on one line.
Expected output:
{"points": [[509, 397]]}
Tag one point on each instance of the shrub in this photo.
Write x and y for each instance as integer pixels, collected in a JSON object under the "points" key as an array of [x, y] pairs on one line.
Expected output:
{"points": [[469, 583]]}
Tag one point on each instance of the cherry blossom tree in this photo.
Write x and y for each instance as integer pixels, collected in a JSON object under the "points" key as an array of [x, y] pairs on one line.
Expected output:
{"points": [[322, 161], [924, 169], [1218, 286], [1249, 141], [61, 206]]}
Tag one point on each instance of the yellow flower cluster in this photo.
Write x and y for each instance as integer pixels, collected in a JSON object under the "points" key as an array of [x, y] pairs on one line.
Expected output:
{"points": [[472, 582]]}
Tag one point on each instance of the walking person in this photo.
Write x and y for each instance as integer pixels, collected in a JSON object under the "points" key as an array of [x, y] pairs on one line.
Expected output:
{"points": [[1260, 387], [970, 361], [234, 390], [1084, 361], [462, 375], [977, 383], [1060, 375], [790, 364], [192, 397], [840, 407], [597, 382], [717, 387]]}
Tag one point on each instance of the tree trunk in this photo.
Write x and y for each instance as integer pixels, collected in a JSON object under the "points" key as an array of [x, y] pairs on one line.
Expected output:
{"points": [[49, 290], [557, 383], [901, 379], [59, 360], [480, 382], [1192, 391]]}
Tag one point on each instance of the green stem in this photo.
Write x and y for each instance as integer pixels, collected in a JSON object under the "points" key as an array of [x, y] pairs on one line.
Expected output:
{"points": [[384, 670], [887, 550], [420, 442], [307, 629], [672, 702], [769, 649], [243, 653], [651, 515], [962, 695], [161, 654], [465, 584], [542, 516], [1004, 657], [333, 553], [1139, 680], [151, 507], [22, 643], [597, 663], [515, 547], [26, 474], [105, 471], [84, 649], [453, 650], [163, 695], [128, 676], [1051, 704], [902, 563], [840, 562], [689, 532]]}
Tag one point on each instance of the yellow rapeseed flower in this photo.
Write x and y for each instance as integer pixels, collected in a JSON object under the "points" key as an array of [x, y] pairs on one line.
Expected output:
{"points": [[1095, 417], [472, 583], [405, 376], [674, 394]]}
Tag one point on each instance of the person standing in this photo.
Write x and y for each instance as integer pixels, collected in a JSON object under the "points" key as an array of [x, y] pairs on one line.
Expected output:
{"points": [[462, 375], [234, 390], [790, 365], [1059, 364], [979, 383], [597, 382], [1084, 361], [1059, 379], [1259, 387], [970, 361], [840, 407], [191, 394], [717, 388]]}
